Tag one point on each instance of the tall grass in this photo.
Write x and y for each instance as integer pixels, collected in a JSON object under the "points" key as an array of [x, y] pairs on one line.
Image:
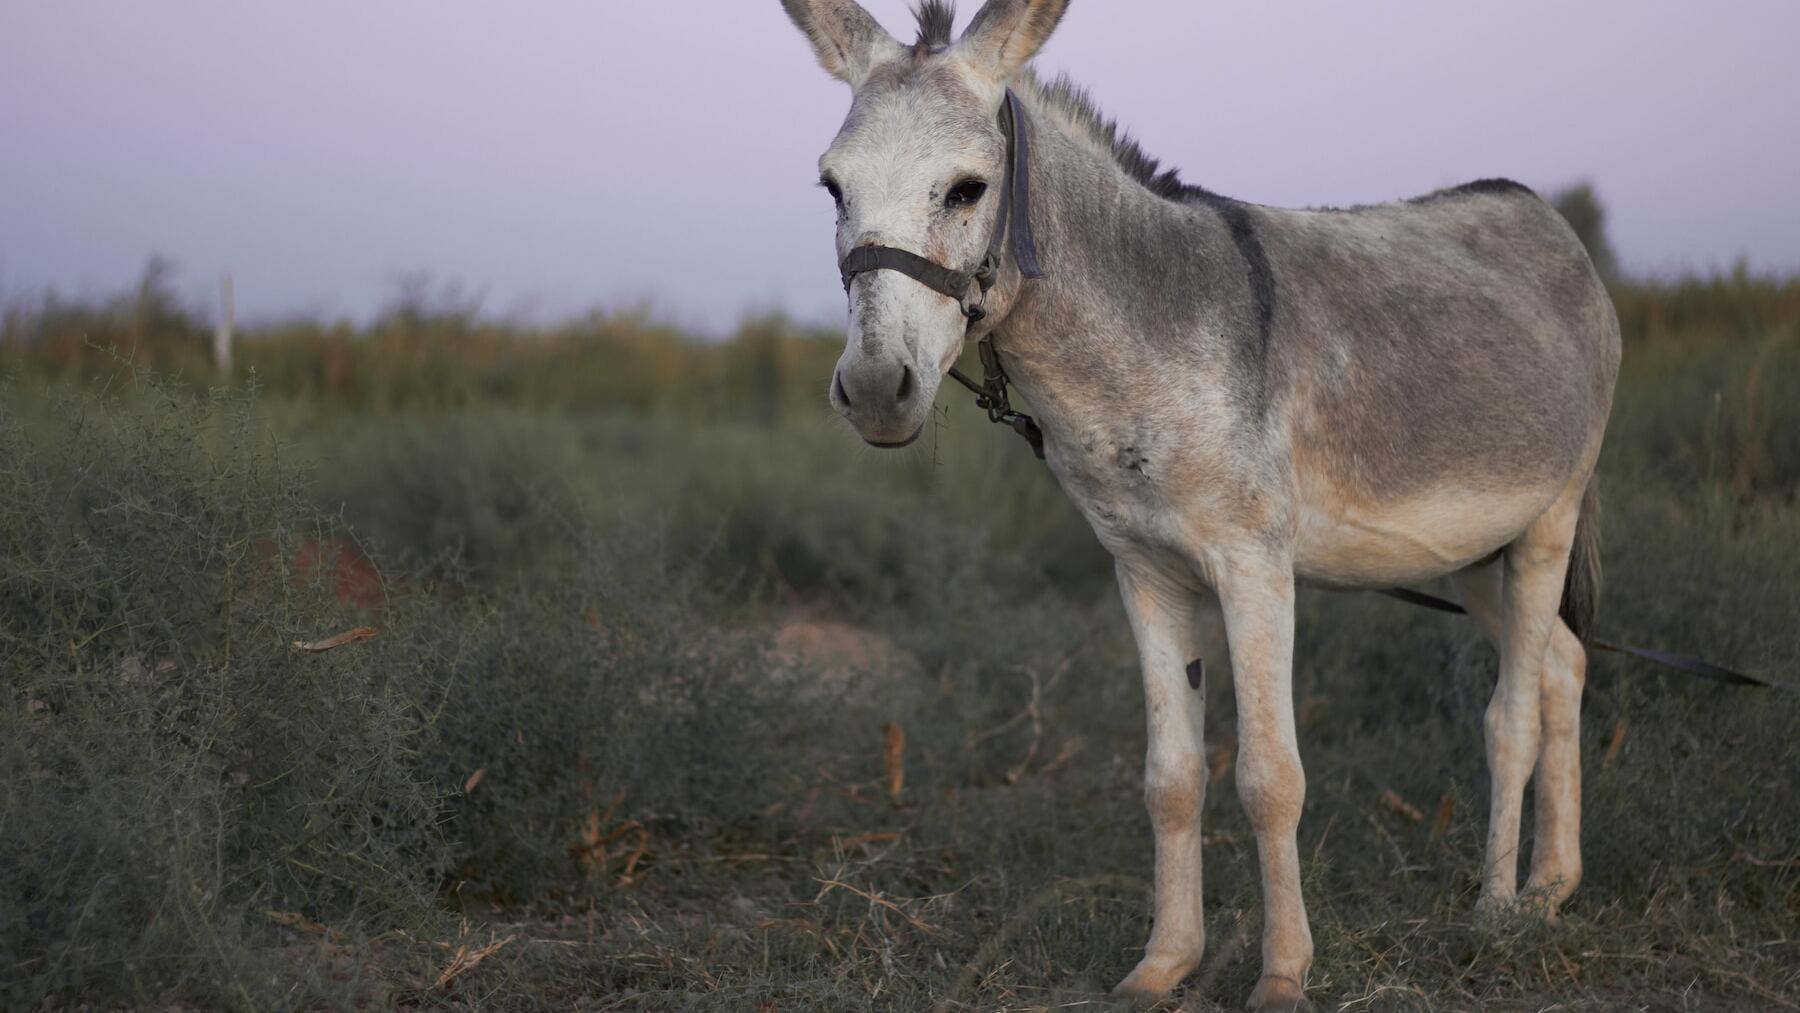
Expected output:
{"points": [[679, 699]]}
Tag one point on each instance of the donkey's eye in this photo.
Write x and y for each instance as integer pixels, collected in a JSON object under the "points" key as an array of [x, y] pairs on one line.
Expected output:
{"points": [[965, 194], [832, 188]]}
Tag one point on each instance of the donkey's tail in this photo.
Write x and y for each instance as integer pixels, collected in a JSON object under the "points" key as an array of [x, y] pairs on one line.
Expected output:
{"points": [[1581, 588]]}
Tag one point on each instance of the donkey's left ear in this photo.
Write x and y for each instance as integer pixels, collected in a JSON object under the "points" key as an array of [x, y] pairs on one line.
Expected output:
{"points": [[1007, 33]]}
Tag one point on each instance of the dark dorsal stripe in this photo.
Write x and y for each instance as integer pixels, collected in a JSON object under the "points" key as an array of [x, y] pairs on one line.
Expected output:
{"points": [[1261, 279], [1073, 102]]}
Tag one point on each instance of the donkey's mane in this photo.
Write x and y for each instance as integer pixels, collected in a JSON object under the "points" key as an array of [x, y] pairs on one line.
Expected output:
{"points": [[1068, 103], [1071, 106], [936, 19]]}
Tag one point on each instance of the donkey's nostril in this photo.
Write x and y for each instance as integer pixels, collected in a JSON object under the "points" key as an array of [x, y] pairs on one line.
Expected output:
{"points": [[906, 383], [837, 387]]}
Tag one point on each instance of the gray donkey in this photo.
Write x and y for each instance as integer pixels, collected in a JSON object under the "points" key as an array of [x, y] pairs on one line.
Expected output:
{"points": [[1238, 398]]}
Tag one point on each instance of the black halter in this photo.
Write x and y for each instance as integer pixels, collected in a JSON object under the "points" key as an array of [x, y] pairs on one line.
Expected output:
{"points": [[970, 288]]}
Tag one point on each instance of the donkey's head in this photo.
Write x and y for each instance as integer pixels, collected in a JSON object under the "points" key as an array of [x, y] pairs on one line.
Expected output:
{"points": [[916, 167]]}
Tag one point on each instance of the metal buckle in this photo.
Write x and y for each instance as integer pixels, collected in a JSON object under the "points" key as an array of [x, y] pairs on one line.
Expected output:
{"points": [[980, 281]]}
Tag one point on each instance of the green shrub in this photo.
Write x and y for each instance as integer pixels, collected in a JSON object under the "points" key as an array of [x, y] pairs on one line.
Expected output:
{"points": [[170, 767]]}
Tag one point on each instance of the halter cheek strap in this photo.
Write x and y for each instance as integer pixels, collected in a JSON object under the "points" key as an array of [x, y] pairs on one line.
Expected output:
{"points": [[970, 288]]}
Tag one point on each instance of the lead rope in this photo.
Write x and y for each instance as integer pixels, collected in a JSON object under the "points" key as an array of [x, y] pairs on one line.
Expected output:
{"points": [[1667, 659], [990, 395]]}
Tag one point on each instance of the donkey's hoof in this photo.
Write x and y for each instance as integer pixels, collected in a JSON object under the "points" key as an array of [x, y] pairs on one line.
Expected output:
{"points": [[1524, 913], [1496, 909], [1547, 889], [1154, 978], [1275, 994], [1541, 906]]}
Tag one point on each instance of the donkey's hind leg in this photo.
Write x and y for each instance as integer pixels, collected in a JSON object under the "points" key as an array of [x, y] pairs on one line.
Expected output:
{"points": [[1556, 839], [1531, 588]]}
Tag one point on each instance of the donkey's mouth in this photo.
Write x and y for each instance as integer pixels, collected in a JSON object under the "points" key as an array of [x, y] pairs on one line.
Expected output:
{"points": [[896, 445]]}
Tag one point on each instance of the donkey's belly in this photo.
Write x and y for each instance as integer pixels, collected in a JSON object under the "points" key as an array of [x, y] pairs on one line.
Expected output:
{"points": [[1359, 544]]}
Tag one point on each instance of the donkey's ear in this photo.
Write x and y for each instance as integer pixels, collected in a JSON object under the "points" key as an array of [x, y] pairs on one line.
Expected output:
{"points": [[1007, 33], [848, 41]]}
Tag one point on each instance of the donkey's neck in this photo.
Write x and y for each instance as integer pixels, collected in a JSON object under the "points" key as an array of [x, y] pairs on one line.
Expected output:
{"points": [[1143, 296]]}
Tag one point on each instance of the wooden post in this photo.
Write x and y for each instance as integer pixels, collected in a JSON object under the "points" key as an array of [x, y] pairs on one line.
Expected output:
{"points": [[227, 325]]}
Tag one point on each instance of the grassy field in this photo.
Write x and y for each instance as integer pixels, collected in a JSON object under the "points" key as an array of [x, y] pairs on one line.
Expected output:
{"points": [[678, 698]]}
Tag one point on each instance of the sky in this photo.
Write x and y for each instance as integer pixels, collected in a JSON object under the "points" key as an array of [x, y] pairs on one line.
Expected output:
{"points": [[556, 157]]}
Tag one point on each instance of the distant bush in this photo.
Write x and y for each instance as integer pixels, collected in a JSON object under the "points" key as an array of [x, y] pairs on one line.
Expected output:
{"points": [[1581, 206], [431, 352], [440, 354], [1697, 313]]}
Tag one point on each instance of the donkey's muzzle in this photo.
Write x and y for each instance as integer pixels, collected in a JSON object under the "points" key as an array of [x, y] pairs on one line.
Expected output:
{"points": [[882, 397]]}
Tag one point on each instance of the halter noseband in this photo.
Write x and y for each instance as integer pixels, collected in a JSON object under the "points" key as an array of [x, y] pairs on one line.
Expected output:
{"points": [[970, 288]]}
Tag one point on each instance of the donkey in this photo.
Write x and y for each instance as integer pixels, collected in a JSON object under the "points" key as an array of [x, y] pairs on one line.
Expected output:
{"points": [[1239, 399]]}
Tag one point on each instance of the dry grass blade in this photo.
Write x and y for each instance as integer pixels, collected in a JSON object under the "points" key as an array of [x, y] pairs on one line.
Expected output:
{"points": [[828, 885], [1440, 824], [474, 779], [1764, 863], [893, 757], [628, 874], [295, 920], [1220, 754], [1392, 802], [590, 849], [1614, 743], [1035, 711], [805, 927], [465, 959], [1064, 753], [865, 840], [354, 636]]}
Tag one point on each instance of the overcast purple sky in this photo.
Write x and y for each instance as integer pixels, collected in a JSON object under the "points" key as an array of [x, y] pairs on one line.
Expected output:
{"points": [[561, 156]]}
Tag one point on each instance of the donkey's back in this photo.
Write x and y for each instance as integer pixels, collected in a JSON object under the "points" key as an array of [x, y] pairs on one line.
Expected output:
{"points": [[1429, 351]]}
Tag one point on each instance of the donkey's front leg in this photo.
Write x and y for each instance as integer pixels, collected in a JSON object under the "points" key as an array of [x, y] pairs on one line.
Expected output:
{"points": [[1256, 592], [1165, 621]]}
